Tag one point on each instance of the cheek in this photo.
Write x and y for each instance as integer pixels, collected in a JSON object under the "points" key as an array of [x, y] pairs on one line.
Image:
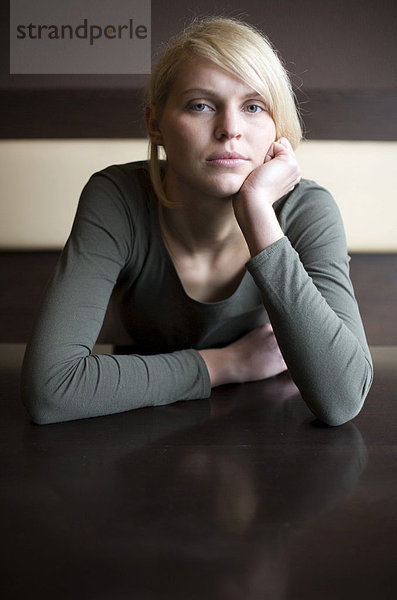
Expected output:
{"points": [[269, 128], [182, 139], [271, 133], [262, 146], [267, 139]]}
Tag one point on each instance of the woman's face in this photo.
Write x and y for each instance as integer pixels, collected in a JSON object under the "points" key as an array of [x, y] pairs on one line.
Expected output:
{"points": [[215, 130]]}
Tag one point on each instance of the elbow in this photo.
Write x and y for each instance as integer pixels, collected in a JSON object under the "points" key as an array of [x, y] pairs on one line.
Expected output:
{"points": [[336, 410], [342, 402], [39, 404], [50, 385], [344, 414], [40, 400], [39, 415]]}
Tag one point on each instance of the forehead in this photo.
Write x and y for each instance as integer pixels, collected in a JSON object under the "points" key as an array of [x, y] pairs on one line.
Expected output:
{"points": [[201, 75]]}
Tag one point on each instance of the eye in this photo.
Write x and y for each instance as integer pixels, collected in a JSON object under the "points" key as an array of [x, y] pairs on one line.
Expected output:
{"points": [[254, 108], [199, 107]]}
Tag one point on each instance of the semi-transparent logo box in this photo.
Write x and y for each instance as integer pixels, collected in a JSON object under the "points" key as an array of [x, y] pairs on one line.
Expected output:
{"points": [[80, 37]]}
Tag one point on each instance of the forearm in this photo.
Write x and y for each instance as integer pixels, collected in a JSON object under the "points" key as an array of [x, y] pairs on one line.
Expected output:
{"points": [[329, 361], [84, 385]]}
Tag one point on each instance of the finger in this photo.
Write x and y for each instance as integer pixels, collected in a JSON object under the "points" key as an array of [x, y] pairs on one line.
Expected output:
{"points": [[269, 154], [280, 148], [285, 142]]}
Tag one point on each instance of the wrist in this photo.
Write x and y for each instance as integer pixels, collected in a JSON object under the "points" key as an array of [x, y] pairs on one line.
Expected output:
{"points": [[258, 223], [219, 363]]}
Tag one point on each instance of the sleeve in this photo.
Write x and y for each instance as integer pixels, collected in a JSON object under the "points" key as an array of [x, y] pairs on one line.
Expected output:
{"points": [[306, 289], [61, 377]]}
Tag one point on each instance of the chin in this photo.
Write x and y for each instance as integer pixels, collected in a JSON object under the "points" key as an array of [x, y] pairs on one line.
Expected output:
{"points": [[229, 186]]}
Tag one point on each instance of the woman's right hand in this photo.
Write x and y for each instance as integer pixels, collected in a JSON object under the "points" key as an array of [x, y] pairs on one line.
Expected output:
{"points": [[253, 357]]}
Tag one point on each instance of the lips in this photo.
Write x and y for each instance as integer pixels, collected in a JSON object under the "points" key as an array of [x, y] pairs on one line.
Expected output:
{"points": [[227, 156], [226, 159]]}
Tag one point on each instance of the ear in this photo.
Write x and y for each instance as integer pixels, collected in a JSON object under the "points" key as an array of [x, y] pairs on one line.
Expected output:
{"points": [[152, 125]]}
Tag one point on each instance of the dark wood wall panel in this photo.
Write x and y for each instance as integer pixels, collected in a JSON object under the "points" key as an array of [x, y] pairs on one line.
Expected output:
{"points": [[24, 276], [343, 115], [62, 114]]}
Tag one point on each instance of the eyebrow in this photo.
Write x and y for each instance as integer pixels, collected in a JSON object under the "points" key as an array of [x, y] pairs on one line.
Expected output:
{"points": [[211, 93]]}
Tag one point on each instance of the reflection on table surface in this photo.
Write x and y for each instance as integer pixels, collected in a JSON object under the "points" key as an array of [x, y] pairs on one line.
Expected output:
{"points": [[245, 496]]}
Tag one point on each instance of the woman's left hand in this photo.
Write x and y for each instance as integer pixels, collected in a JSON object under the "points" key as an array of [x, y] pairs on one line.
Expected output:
{"points": [[277, 176], [253, 204]]}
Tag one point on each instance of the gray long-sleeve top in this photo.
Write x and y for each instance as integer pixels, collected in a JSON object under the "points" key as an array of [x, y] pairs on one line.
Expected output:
{"points": [[300, 283]]}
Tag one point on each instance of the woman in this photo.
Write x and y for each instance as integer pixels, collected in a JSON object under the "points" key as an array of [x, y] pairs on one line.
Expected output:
{"points": [[226, 266]]}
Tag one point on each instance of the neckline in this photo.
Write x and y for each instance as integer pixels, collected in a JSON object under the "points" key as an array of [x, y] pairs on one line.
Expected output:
{"points": [[154, 206]]}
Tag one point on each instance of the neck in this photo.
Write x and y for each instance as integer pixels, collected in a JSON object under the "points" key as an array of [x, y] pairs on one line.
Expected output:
{"points": [[198, 222], [201, 226]]}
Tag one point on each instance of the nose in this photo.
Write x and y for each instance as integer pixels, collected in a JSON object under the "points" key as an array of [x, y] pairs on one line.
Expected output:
{"points": [[228, 125]]}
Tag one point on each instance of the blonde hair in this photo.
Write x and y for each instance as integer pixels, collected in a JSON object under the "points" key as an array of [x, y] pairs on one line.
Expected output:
{"points": [[243, 51]]}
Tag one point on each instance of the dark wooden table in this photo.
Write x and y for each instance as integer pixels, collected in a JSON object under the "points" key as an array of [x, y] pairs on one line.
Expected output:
{"points": [[242, 497]]}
